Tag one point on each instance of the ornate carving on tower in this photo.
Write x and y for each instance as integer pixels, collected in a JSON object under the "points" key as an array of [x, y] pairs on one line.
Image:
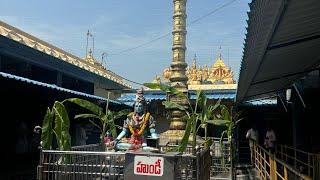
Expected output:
{"points": [[178, 78], [166, 73], [89, 58], [157, 80], [217, 74], [194, 73], [220, 73]]}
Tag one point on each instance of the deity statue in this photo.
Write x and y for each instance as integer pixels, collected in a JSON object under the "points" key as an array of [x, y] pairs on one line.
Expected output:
{"points": [[199, 75], [157, 80], [138, 126], [205, 73], [166, 73]]}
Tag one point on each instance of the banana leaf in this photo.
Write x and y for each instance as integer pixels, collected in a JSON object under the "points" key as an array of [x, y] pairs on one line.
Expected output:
{"points": [[47, 131], [218, 122], [185, 139], [84, 116], [225, 113], [62, 125], [212, 108], [172, 105], [95, 109], [208, 143], [165, 88], [121, 113]]}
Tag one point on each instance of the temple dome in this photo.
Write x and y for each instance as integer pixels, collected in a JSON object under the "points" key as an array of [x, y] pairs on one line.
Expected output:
{"points": [[219, 63], [216, 74]]}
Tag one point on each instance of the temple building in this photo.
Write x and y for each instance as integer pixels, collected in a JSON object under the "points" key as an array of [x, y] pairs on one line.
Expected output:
{"points": [[216, 76]]}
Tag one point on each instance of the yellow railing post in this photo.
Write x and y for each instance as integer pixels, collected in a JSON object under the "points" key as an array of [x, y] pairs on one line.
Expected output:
{"points": [[265, 164], [271, 167], [275, 169], [285, 175]]}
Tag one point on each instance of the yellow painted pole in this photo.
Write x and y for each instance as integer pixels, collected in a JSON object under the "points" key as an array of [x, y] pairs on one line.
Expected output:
{"points": [[285, 173], [265, 164], [275, 169]]}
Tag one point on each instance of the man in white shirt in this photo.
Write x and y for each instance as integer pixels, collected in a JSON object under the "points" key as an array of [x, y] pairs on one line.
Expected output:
{"points": [[253, 137]]}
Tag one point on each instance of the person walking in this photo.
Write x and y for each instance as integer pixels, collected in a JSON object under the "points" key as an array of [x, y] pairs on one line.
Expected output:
{"points": [[253, 137], [270, 139]]}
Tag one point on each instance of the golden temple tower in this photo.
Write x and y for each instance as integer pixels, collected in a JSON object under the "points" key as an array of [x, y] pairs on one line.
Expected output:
{"points": [[178, 78]]}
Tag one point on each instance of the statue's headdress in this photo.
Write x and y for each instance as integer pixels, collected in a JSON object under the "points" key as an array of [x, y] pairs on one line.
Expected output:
{"points": [[139, 96]]}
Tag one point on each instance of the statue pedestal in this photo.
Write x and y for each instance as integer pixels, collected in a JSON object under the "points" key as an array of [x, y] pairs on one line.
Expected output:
{"points": [[173, 137]]}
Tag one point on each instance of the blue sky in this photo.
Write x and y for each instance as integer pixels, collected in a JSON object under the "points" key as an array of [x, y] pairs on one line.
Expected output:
{"points": [[121, 24]]}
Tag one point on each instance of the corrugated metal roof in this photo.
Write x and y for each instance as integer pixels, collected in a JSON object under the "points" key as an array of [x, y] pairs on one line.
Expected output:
{"points": [[24, 38], [261, 102], [282, 44], [53, 86], [130, 97], [217, 96]]}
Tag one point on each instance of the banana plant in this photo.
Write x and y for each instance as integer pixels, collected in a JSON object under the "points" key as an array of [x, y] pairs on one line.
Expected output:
{"points": [[201, 112], [56, 122], [106, 119], [229, 119]]}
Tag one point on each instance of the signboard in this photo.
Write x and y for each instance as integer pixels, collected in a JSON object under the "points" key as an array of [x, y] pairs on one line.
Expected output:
{"points": [[148, 165]]}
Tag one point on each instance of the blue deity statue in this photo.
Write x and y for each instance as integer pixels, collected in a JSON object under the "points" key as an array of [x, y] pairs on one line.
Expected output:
{"points": [[138, 126]]}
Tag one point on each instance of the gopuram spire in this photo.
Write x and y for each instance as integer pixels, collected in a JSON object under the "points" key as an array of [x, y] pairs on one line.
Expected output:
{"points": [[178, 78]]}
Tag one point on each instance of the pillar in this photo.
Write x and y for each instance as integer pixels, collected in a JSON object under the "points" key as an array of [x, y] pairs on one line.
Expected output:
{"points": [[178, 78]]}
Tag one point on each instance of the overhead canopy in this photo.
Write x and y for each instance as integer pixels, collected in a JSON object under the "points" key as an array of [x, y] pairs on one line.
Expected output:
{"points": [[129, 98], [54, 87], [261, 102], [282, 44]]}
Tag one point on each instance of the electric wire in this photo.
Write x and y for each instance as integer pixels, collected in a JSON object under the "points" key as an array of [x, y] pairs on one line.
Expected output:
{"points": [[167, 34]]}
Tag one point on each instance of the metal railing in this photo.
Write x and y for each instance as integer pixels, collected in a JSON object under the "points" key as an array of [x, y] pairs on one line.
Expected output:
{"points": [[83, 164], [220, 157], [80, 165], [270, 167], [89, 147], [301, 160]]}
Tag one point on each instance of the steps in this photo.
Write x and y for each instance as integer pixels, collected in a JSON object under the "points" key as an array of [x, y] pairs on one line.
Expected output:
{"points": [[246, 172]]}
